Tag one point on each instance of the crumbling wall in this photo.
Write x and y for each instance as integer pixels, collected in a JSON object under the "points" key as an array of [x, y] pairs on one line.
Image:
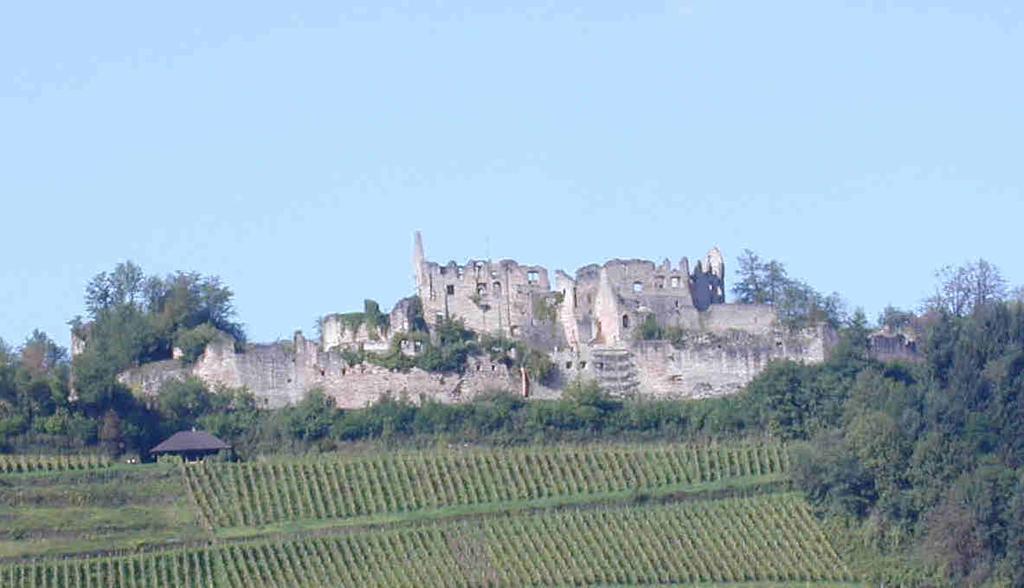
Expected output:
{"points": [[711, 365], [489, 297], [885, 345], [335, 333], [587, 323], [280, 374], [758, 319], [503, 297], [147, 378]]}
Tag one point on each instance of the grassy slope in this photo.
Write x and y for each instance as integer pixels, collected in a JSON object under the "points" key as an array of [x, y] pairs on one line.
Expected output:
{"points": [[122, 507], [771, 537]]}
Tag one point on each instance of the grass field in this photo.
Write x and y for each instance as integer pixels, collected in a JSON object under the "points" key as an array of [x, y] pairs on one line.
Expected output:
{"points": [[602, 514], [117, 507]]}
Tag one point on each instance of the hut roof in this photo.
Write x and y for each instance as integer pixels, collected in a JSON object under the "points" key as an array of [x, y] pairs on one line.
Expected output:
{"points": [[190, 441]]}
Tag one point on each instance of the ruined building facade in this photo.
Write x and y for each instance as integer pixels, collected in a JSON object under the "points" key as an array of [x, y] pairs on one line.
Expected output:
{"points": [[589, 323]]}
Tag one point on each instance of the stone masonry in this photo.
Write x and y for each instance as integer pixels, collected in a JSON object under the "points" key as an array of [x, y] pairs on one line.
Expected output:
{"points": [[588, 323]]}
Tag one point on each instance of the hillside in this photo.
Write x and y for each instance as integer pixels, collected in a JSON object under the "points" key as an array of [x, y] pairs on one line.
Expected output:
{"points": [[544, 515], [770, 538], [911, 459], [112, 508]]}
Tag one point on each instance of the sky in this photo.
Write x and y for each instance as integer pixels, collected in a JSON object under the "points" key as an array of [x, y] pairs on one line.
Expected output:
{"points": [[292, 149]]}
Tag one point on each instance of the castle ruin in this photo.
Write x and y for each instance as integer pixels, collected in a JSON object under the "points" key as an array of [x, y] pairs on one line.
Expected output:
{"points": [[595, 324]]}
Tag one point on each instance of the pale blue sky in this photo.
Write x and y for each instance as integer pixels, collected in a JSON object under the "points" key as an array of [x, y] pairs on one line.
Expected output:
{"points": [[292, 150]]}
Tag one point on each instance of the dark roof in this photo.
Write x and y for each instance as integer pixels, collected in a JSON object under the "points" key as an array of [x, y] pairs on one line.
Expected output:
{"points": [[190, 441]]}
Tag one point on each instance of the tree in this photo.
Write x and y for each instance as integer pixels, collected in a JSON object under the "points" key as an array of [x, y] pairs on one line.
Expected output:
{"points": [[799, 305], [110, 434], [233, 414], [193, 342], [775, 280], [969, 286], [760, 282], [6, 353], [750, 287], [182, 403], [311, 418], [1017, 294], [40, 355], [123, 286]]}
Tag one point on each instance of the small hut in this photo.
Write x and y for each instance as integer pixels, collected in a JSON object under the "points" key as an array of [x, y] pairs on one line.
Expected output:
{"points": [[190, 445]]}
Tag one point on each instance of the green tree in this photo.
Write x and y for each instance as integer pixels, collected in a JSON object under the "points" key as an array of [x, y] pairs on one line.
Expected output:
{"points": [[759, 281], [233, 415], [311, 418], [963, 288], [182, 403], [111, 436], [192, 342]]}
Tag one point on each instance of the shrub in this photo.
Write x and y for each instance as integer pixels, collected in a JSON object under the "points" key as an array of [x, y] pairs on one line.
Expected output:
{"points": [[193, 342]]}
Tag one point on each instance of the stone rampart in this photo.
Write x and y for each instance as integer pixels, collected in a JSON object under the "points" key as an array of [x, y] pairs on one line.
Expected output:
{"points": [[589, 323], [280, 374], [717, 365]]}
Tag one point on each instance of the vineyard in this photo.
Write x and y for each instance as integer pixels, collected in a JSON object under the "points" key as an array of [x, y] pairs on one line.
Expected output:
{"points": [[20, 464], [253, 494], [768, 538], [68, 511]]}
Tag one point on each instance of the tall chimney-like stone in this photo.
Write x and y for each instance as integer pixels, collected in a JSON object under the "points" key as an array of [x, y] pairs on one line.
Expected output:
{"points": [[418, 259]]}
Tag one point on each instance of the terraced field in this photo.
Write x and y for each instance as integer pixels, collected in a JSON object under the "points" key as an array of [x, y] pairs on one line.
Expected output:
{"points": [[247, 494], [539, 516], [119, 507], [770, 538]]}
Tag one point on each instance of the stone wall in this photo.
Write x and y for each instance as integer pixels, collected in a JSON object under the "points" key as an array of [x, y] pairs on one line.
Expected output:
{"points": [[588, 324], [718, 365], [336, 333], [280, 374], [889, 346], [515, 300], [704, 364]]}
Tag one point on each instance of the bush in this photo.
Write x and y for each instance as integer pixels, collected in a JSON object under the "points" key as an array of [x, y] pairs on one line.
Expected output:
{"points": [[193, 342], [182, 403], [311, 419]]}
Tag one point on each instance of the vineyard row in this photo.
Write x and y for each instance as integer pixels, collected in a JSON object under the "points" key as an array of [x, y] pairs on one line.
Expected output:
{"points": [[769, 538], [252, 494]]}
